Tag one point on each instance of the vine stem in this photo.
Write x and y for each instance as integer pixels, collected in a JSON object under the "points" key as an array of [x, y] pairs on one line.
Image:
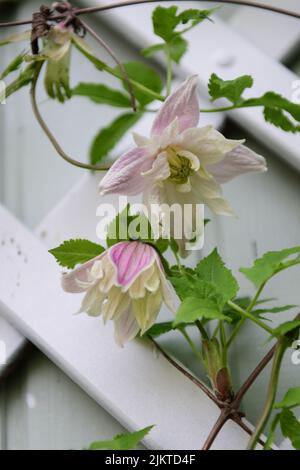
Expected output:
{"points": [[117, 61], [246, 314], [88, 10], [249, 308], [253, 376], [49, 134], [222, 419], [186, 373], [272, 390]]}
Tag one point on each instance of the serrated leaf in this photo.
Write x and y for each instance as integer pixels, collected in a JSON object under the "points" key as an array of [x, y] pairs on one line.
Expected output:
{"points": [[73, 252], [230, 89], [101, 94], [109, 136], [278, 110], [213, 270], [274, 100], [193, 308], [277, 117], [270, 264], [145, 75], [290, 427], [165, 21], [126, 441], [290, 400]]}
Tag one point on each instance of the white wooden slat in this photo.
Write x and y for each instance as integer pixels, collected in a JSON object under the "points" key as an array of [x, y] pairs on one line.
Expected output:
{"points": [[208, 43], [118, 379], [275, 34], [46, 410]]}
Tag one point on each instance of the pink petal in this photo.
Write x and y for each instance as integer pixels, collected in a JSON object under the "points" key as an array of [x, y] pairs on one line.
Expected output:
{"points": [[124, 177], [237, 162], [131, 259], [74, 281], [182, 104]]}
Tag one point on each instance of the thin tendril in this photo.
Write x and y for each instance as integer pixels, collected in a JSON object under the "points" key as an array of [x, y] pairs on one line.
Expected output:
{"points": [[49, 134], [88, 10]]}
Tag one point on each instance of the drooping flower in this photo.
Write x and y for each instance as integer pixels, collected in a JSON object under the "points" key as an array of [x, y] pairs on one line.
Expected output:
{"points": [[126, 284], [180, 163]]}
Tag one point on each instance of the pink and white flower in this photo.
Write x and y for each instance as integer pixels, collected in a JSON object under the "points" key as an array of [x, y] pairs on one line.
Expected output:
{"points": [[180, 163], [126, 284]]}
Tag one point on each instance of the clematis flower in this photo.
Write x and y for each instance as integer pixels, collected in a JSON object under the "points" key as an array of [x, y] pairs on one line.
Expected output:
{"points": [[180, 163], [125, 284]]}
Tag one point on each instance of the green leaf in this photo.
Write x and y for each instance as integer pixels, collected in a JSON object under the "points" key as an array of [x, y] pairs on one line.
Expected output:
{"points": [[24, 36], [195, 15], [101, 94], [279, 119], [242, 302], [193, 308], [290, 427], [165, 21], [178, 46], [291, 399], [270, 264], [145, 75], [263, 311], [165, 327], [149, 51], [287, 327], [273, 100], [213, 270], [230, 89], [25, 78], [278, 110], [73, 252], [183, 285], [109, 136], [126, 441], [14, 65], [129, 227]]}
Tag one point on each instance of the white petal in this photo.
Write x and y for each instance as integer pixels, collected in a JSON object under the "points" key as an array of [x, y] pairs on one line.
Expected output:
{"points": [[160, 169], [117, 303], [209, 145], [209, 192], [138, 289], [92, 302], [140, 140], [126, 327]]}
